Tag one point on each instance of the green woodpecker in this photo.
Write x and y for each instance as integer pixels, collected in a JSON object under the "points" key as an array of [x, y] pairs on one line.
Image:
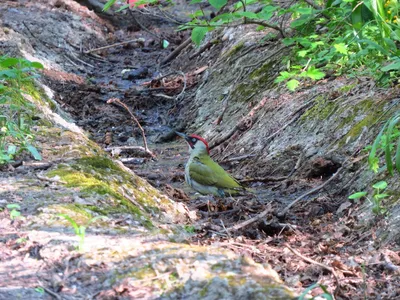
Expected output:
{"points": [[203, 174]]}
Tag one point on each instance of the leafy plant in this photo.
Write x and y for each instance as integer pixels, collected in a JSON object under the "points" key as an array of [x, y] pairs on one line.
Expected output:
{"points": [[15, 111], [376, 199], [189, 228], [325, 295], [348, 37], [40, 290], [386, 141], [80, 230], [15, 210]]}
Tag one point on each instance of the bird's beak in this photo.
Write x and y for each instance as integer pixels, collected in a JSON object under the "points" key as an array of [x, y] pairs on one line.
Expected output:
{"points": [[182, 135]]}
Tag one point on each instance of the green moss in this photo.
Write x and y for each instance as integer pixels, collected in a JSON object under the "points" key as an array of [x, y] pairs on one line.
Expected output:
{"points": [[347, 88], [321, 110], [372, 111], [76, 211], [204, 290], [102, 176], [38, 94], [260, 79], [235, 49]]}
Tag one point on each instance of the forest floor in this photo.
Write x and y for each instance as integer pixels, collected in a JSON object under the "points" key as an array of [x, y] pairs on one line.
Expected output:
{"points": [[311, 244]]}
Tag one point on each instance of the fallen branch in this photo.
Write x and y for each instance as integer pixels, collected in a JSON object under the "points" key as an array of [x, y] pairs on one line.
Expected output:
{"points": [[311, 261], [50, 292], [205, 47], [237, 158], [224, 108], [142, 26], [176, 52], [312, 191], [252, 220], [146, 148], [263, 179], [44, 178], [140, 41]]}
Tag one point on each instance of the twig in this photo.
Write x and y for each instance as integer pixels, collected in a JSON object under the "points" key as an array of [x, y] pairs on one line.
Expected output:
{"points": [[311, 261], [263, 179], [44, 178], [176, 52], [224, 108], [80, 60], [297, 166], [165, 96], [311, 3], [116, 150], [205, 47], [116, 100], [140, 40], [237, 158], [142, 26], [50, 292], [268, 25], [312, 191], [252, 220], [223, 225], [184, 85]]}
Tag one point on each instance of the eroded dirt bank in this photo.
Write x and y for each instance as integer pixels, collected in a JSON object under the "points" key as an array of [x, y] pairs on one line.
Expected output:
{"points": [[152, 242]]}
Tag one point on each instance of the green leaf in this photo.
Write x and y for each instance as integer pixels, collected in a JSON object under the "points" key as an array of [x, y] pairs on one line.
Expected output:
{"points": [[217, 3], [123, 7], [95, 219], [72, 222], [381, 196], [108, 4], [302, 53], [314, 74], [8, 73], [356, 15], [12, 149], [388, 156], [36, 155], [195, 1], [14, 214], [341, 48], [357, 195], [300, 21], [37, 65], [40, 290], [284, 76], [9, 62], [13, 206], [372, 159], [381, 185], [397, 156], [198, 34], [307, 290], [392, 66], [292, 84], [165, 44]]}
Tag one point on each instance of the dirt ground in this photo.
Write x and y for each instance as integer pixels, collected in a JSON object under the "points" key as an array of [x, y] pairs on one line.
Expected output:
{"points": [[318, 241]]}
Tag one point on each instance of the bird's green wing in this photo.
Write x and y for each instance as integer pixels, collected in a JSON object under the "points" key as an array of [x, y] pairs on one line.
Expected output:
{"points": [[207, 172]]}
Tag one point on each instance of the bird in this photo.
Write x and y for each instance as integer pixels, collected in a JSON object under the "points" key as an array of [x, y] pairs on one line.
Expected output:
{"points": [[205, 175]]}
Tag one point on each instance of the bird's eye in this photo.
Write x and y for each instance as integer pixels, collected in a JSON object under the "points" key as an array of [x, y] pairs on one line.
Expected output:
{"points": [[194, 140]]}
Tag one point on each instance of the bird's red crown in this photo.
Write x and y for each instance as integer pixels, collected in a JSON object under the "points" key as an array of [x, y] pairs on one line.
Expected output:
{"points": [[201, 139]]}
